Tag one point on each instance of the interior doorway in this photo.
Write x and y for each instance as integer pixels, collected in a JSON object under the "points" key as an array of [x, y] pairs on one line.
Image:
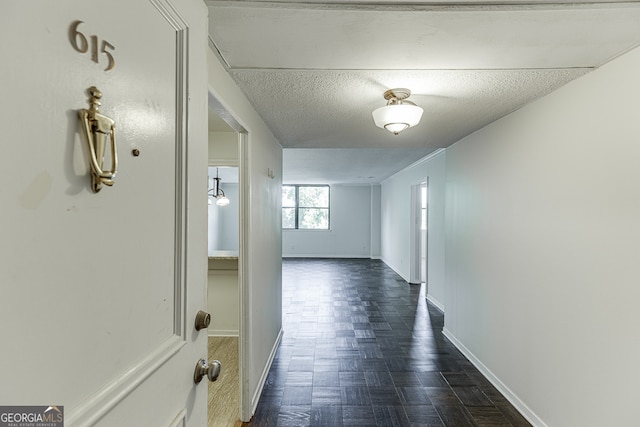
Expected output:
{"points": [[225, 284], [423, 231], [419, 233]]}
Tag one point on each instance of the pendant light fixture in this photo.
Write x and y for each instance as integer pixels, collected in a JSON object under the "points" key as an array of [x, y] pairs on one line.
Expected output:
{"points": [[217, 193], [399, 113]]}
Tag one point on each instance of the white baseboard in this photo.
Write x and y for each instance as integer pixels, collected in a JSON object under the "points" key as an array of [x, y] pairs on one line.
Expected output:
{"points": [[397, 271], [524, 410], [223, 333], [435, 302], [265, 372]]}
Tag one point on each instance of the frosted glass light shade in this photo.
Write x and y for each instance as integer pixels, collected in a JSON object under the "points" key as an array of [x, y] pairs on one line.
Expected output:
{"points": [[222, 201], [397, 117], [396, 128]]}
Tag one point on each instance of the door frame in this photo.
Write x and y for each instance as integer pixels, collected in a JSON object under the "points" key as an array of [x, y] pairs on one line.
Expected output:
{"points": [[216, 105], [415, 233]]}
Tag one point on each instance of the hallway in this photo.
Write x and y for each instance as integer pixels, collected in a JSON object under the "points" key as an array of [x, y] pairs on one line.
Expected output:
{"points": [[362, 347]]}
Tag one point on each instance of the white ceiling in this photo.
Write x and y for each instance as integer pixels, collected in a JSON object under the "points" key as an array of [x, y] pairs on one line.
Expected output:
{"points": [[227, 174], [315, 71]]}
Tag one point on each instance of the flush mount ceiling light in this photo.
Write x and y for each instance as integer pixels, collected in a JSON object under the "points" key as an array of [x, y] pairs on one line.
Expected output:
{"points": [[217, 193], [399, 113]]}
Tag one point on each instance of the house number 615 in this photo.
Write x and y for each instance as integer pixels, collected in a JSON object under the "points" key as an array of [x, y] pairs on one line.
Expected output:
{"points": [[81, 44]]}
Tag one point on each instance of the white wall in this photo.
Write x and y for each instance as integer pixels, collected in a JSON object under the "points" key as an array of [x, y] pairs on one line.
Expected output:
{"points": [[223, 149], [350, 223], [375, 221], [542, 250], [229, 218], [223, 302], [213, 228], [395, 221], [223, 221], [262, 325]]}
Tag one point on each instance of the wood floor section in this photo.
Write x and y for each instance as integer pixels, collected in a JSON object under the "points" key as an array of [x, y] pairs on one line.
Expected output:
{"points": [[224, 394], [363, 348]]}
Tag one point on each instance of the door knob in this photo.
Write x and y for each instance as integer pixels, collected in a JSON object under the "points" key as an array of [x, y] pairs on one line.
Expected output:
{"points": [[202, 320], [212, 371]]}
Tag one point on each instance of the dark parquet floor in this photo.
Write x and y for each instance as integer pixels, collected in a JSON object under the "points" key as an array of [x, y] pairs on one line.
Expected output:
{"points": [[361, 347]]}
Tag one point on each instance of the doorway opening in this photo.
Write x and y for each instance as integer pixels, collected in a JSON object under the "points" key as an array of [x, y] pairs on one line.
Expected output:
{"points": [[419, 237], [423, 231], [225, 278]]}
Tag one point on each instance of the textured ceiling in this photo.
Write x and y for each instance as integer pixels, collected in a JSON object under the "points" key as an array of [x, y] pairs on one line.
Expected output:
{"points": [[332, 109], [315, 71]]}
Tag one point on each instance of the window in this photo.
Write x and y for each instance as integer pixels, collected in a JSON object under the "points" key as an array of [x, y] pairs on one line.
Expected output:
{"points": [[305, 207]]}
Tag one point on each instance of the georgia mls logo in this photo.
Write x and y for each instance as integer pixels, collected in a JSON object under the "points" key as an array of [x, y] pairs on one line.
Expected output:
{"points": [[31, 416]]}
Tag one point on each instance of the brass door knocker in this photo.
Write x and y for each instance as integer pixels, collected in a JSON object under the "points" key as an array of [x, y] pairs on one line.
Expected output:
{"points": [[97, 129]]}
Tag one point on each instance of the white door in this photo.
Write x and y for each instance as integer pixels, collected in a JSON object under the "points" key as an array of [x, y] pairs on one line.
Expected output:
{"points": [[99, 291]]}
